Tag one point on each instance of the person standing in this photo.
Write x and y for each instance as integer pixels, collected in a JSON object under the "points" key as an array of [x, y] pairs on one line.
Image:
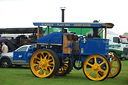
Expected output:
{"points": [[4, 48]]}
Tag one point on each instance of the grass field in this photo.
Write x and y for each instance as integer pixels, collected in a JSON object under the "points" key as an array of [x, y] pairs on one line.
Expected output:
{"points": [[23, 76]]}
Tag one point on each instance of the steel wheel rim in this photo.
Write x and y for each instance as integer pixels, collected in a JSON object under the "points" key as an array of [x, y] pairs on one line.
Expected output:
{"points": [[96, 67], [42, 64]]}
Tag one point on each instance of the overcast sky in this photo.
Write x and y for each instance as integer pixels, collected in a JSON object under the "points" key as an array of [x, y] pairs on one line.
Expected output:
{"points": [[21, 13]]}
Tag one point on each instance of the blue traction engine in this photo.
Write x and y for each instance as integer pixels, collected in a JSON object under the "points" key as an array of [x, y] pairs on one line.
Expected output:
{"points": [[58, 52]]}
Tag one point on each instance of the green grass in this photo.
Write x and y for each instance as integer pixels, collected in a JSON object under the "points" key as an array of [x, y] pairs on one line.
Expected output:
{"points": [[23, 76]]}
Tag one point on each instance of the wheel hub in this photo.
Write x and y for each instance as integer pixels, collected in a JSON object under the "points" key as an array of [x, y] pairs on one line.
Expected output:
{"points": [[5, 63], [95, 67], [43, 63]]}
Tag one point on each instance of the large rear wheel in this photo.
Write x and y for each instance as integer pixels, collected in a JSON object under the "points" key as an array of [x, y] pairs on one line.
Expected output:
{"points": [[44, 63], [95, 64]]}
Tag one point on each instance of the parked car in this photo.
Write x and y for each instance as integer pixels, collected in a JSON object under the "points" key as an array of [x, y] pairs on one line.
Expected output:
{"points": [[17, 57]]}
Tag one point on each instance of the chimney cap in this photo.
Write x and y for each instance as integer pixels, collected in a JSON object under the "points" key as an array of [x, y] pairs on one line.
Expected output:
{"points": [[62, 8]]}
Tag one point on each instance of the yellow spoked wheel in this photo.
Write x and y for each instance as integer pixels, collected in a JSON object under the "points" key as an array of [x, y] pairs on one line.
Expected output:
{"points": [[115, 65], [44, 63], [95, 64], [65, 67]]}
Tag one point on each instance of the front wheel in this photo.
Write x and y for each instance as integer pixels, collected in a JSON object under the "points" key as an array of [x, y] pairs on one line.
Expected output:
{"points": [[95, 64], [44, 63]]}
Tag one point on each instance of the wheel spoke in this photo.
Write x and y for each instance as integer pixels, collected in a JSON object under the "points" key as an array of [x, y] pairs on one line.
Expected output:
{"points": [[42, 54], [110, 72], [45, 57], [95, 60], [104, 71], [38, 70], [40, 57], [66, 62], [62, 68], [35, 64], [49, 57], [65, 67], [101, 73], [37, 58], [114, 67], [49, 69], [97, 75], [51, 62], [113, 60], [38, 62], [89, 64], [50, 65], [44, 72], [102, 63], [90, 71]]}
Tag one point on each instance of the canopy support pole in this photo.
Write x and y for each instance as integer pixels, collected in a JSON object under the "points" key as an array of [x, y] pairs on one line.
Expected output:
{"points": [[38, 32], [105, 32], [48, 29]]}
